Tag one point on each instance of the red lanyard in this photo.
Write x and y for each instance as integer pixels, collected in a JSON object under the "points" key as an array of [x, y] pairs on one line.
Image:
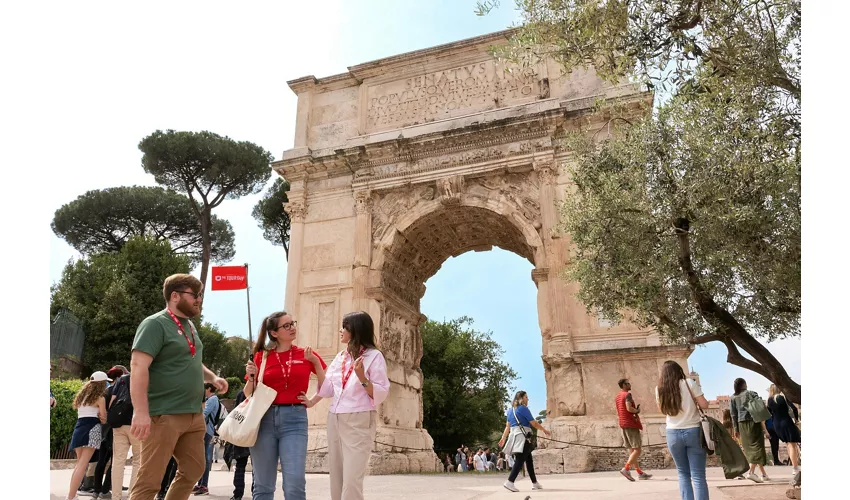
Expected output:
{"points": [[346, 376], [183, 333], [285, 368]]}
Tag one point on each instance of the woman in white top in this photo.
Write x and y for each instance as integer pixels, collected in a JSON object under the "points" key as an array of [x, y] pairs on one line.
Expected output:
{"points": [[677, 398], [90, 404]]}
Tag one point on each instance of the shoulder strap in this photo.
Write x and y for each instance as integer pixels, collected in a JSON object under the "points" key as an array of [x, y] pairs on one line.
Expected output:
{"points": [[262, 367], [688, 387]]}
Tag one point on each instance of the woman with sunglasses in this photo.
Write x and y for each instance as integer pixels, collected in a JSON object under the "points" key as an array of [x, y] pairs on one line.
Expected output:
{"points": [[282, 437], [357, 381]]}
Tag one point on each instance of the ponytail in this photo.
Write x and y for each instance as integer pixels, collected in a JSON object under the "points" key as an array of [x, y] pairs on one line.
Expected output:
{"points": [[268, 325]]}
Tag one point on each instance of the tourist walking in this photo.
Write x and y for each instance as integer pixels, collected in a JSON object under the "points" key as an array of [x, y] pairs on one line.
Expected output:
{"points": [[239, 455], [282, 437], [120, 416], [630, 426], [774, 439], [167, 388], [352, 417], [784, 425], [518, 428], [750, 432], [91, 414], [460, 458], [212, 407], [677, 397]]}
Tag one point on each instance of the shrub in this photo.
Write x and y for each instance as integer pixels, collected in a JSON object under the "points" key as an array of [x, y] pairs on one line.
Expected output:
{"points": [[234, 385], [63, 417]]}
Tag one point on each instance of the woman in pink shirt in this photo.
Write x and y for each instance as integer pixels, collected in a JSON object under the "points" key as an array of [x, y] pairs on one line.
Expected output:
{"points": [[357, 382]]}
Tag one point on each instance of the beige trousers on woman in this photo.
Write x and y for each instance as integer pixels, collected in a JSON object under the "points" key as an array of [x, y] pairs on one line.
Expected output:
{"points": [[350, 438]]}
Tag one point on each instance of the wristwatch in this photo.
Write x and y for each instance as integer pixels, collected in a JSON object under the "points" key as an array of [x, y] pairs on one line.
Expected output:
{"points": [[364, 384]]}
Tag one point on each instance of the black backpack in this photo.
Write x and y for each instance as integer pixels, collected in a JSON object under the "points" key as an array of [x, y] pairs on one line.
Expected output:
{"points": [[121, 411]]}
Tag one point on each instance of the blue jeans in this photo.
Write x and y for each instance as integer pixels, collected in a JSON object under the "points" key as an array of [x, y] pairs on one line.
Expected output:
{"points": [[282, 438], [208, 446], [687, 451]]}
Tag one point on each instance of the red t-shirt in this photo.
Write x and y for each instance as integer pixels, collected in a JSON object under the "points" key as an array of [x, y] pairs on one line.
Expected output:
{"points": [[299, 373]]}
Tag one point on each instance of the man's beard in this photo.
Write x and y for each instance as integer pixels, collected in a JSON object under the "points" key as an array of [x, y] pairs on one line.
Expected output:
{"points": [[186, 308]]}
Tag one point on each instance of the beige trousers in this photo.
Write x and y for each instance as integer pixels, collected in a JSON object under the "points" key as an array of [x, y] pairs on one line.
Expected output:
{"points": [[122, 441], [180, 436], [350, 439]]}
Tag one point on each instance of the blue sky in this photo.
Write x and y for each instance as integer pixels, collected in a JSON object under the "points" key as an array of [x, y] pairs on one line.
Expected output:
{"points": [[127, 71]]}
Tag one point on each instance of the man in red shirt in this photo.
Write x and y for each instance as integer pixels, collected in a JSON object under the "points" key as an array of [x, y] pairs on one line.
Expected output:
{"points": [[630, 426]]}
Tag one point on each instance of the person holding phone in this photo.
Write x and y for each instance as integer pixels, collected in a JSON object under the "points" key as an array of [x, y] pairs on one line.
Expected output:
{"points": [[628, 414]]}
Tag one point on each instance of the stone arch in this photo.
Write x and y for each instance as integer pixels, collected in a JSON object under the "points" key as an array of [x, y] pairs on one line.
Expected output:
{"points": [[432, 231]]}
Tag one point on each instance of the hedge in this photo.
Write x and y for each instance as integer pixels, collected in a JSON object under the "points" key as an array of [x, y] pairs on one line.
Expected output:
{"points": [[63, 416], [234, 385]]}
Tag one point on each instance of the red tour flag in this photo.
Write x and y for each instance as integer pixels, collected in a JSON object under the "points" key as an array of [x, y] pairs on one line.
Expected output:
{"points": [[229, 278]]}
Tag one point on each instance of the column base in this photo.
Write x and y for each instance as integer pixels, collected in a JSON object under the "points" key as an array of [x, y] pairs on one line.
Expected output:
{"points": [[559, 458], [396, 451]]}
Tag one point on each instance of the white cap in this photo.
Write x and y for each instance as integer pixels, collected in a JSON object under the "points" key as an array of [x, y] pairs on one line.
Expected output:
{"points": [[100, 377]]}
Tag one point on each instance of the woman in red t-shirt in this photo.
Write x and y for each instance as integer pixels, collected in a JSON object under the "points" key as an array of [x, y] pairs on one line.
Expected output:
{"points": [[283, 430]]}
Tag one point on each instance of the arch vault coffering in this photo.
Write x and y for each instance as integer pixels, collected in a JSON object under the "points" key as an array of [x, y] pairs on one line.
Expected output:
{"points": [[401, 163]]}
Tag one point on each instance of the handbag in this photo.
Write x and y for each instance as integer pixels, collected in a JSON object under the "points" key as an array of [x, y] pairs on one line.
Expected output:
{"points": [[243, 423], [530, 439], [707, 437], [755, 406]]}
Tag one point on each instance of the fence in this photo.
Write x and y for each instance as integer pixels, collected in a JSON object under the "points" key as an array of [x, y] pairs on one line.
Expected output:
{"points": [[66, 336]]}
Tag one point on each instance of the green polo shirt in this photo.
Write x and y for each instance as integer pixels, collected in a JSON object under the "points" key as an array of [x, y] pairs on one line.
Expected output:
{"points": [[176, 383]]}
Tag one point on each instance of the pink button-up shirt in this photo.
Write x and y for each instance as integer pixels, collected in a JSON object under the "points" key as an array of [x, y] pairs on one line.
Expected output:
{"points": [[353, 397]]}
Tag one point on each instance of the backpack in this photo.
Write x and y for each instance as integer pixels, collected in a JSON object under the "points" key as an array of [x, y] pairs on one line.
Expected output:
{"points": [[755, 406], [219, 417], [121, 411]]}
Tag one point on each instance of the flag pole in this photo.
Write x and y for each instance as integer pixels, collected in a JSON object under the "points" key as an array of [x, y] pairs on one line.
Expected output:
{"points": [[248, 296]]}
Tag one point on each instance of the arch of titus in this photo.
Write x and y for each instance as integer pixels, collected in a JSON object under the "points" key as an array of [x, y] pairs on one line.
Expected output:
{"points": [[401, 163]]}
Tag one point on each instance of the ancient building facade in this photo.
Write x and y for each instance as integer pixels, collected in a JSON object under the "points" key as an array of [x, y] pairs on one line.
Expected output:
{"points": [[401, 163]]}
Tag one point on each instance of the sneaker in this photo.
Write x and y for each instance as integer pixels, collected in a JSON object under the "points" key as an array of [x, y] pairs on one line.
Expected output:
{"points": [[644, 476], [752, 477], [195, 489], [86, 493], [203, 490], [765, 477], [536, 486], [509, 485], [627, 474], [106, 496]]}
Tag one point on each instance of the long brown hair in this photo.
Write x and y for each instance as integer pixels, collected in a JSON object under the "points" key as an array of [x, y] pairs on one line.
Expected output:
{"points": [[669, 393], [362, 330], [727, 419], [517, 398], [89, 394], [269, 325]]}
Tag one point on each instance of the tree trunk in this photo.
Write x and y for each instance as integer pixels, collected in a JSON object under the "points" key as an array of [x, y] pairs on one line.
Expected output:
{"points": [[206, 224], [730, 332]]}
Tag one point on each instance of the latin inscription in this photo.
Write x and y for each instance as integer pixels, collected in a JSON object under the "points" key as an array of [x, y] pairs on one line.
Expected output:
{"points": [[444, 94]]}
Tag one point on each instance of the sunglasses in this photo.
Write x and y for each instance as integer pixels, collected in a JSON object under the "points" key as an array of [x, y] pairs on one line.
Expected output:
{"points": [[193, 294], [287, 326]]}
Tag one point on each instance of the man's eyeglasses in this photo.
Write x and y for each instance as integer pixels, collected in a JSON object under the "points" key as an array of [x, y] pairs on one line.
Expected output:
{"points": [[193, 294], [287, 326]]}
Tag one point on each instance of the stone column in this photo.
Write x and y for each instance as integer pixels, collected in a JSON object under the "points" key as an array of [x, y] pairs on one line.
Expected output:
{"points": [[362, 248], [557, 257], [297, 210]]}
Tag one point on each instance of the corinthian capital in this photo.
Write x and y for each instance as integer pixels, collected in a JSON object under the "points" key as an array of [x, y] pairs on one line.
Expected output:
{"points": [[362, 201], [545, 169], [297, 210]]}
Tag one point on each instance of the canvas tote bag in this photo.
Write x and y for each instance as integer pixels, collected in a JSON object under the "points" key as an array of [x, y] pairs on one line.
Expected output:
{"points": [[243, 423], [705, 425]]}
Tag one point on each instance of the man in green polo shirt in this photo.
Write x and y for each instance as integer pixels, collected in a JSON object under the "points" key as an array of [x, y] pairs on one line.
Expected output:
{"points": [[167, 390]]}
